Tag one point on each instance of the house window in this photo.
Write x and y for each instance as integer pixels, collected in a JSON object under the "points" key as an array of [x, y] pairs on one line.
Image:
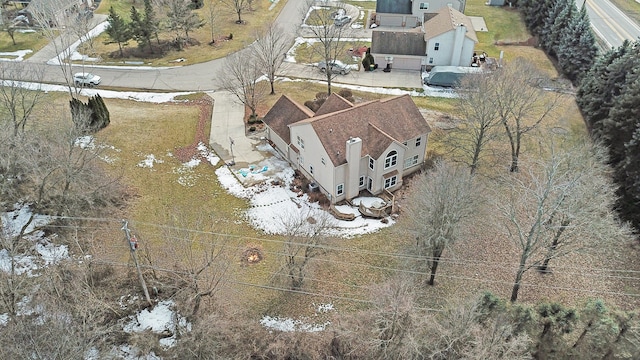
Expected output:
{"points": [[301, 160], [418, 141], [390, 182], [361, 184], [371, 161], [411, 161], [311, 169], [300, 142], [430, 60], [404, 143], [436, 47], [340, 189], [323, 162], [424, 6], [391, 159]]}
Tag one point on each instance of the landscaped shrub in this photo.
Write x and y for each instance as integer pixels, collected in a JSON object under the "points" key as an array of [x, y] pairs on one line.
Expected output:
{"points": [[347, 95]]}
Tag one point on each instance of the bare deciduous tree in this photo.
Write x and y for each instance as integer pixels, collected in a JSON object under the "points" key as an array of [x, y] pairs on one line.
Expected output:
{"points": [[270, 48], [557, 207], [240, 77], [306, 233], [16, 101], [182, 20], [479, 119], [439, 203], [238, 7], [212, 11], [321, 24], [521, 102], [458, 333], [58, 24], [200, 261]]}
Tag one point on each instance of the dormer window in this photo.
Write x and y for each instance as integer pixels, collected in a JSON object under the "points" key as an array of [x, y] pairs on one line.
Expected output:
{"points": [[371, 163], [436, 47], [300, 142], [418, 141], [424, 6]]}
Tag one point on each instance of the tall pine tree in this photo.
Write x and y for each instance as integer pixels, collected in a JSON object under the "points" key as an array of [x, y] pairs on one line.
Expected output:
{"points": [[603, 83], [556, 23], [577, 49], [118, 30]]}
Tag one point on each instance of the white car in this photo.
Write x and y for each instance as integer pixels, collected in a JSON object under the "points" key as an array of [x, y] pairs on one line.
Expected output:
{"points": [[86, 79]]}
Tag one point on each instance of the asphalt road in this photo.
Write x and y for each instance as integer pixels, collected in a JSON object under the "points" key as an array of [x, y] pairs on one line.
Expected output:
{"points": [[609, 23], [197, 77]]}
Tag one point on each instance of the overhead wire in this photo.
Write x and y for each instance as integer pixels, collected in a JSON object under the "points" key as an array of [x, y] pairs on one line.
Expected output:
{"points": [[401, 256]]}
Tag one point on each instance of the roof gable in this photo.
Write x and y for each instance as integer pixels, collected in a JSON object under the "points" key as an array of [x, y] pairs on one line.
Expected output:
{"points": [[378, 123], [284, 113], [333, 103], [445, 20]]}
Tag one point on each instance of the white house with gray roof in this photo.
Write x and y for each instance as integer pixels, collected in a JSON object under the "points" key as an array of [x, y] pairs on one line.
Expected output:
{"points": [[347, 148], [425, 39]]}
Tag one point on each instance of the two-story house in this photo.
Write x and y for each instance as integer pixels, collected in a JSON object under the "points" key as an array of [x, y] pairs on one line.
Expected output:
{"points": [[346, 148], [423, 35]]}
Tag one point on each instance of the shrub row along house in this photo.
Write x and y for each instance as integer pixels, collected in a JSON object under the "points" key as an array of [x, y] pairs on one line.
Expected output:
{"points": [[417, 35], [346, 148]]}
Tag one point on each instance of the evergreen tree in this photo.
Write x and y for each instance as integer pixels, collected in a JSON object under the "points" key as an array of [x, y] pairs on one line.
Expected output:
{"points": [[535, 14], [139, 30], [150, 22], [628, 174], [577, 49], [556, 23], [602, 84], [118, 30], [623, 119]]}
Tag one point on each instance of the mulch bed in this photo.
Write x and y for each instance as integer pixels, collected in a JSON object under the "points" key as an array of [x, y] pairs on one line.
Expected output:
{"points": [[189, 152]]}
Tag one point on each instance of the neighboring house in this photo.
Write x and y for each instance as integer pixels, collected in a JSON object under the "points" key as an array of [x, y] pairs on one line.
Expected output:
{"points": [[419, 42], [58, 12], [417, 7], [346, 148]]}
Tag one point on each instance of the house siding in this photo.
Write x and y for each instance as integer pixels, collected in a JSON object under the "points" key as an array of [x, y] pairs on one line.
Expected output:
{"points": [[278, 142], [446, 49], [312, 155], [434, 5], [401, 62]]}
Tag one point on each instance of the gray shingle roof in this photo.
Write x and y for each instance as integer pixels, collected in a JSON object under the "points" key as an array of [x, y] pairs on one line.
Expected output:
{"points": [[445, 20], [378, 123], [393, 6], [283, 113], [332, 104]]}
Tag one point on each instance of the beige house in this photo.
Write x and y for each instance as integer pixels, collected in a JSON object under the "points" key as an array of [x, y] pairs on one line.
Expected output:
{"points": [[419, 42], [346, 148]]}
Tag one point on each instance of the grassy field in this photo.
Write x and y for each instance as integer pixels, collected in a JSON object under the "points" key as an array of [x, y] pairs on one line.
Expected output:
{"points": [[224, 25], [33, 41]]}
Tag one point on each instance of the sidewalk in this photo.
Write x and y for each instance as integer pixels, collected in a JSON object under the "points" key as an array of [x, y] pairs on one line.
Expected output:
{"points": [[395, 79], [49, 52], [227, 118], [227, 125]]}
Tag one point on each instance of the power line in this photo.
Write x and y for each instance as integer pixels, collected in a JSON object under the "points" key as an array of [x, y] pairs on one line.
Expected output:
{"points": [[373, 253]]}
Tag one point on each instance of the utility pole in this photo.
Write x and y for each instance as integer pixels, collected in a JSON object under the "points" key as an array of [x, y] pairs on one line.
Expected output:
{"points": [[133, 246], [233, 159]]}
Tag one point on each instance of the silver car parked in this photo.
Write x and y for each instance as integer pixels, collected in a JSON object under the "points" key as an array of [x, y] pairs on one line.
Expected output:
{"points": [[337, 67]]}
